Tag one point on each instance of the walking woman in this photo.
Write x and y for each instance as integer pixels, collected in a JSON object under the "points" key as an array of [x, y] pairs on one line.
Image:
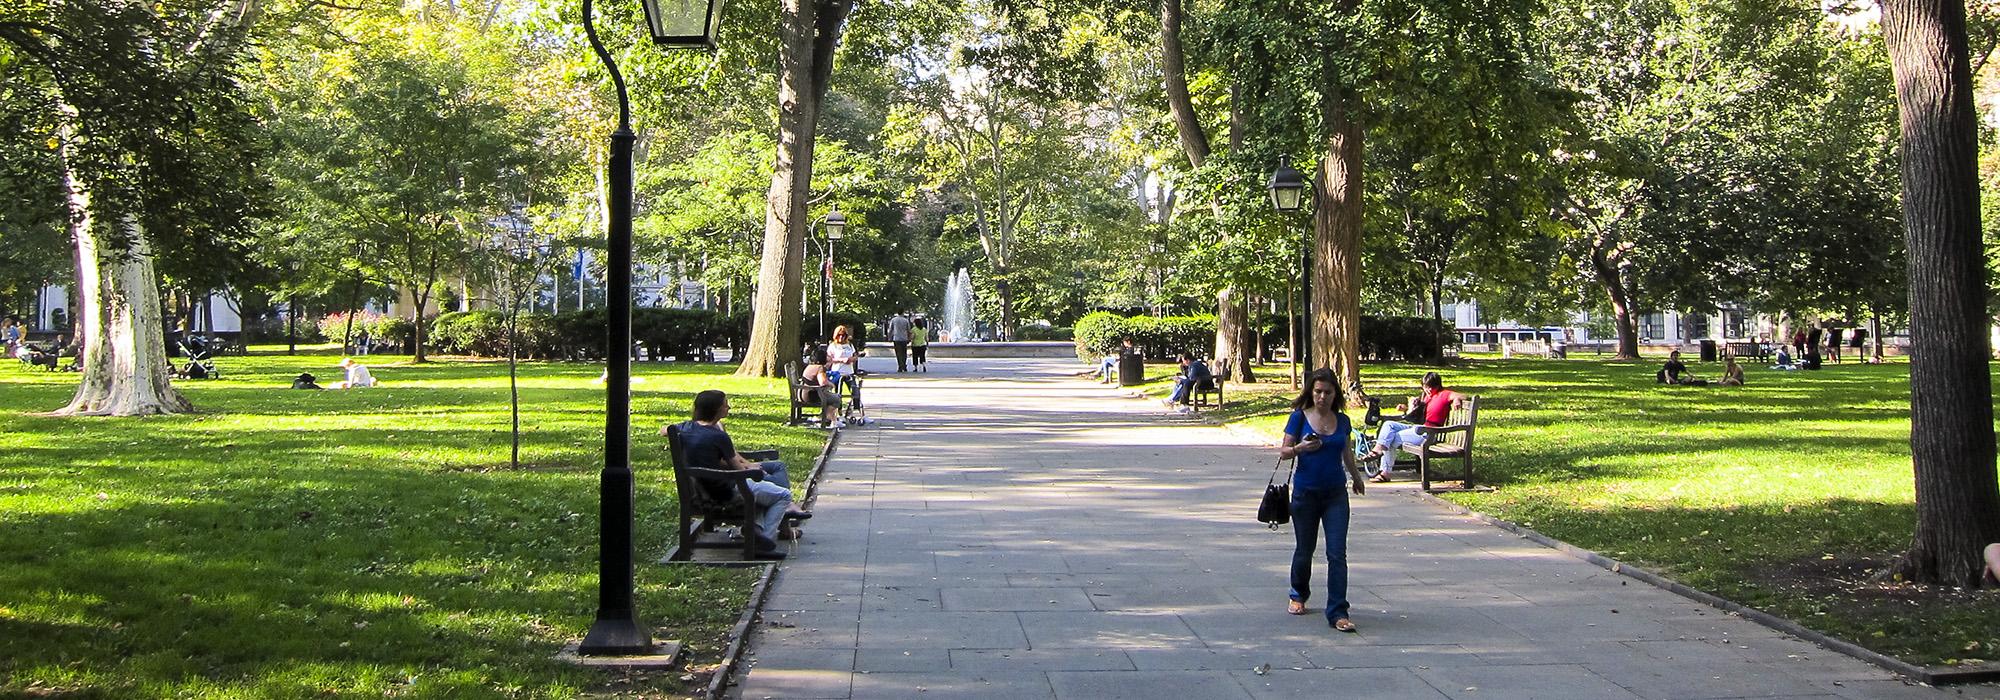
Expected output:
{"points": [[1317, 436]]}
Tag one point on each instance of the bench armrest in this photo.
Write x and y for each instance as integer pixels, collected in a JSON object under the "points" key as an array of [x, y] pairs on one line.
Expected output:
{"points": [[760, 455], [1428, 431]]}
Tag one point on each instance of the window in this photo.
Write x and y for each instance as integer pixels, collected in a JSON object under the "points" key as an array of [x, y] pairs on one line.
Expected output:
{"points": [[1652, 326]]}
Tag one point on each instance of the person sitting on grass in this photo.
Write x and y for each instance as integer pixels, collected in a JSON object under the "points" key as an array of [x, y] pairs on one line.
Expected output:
{"points": [[706, 445], [1194, 375], [1676, 372], [1783, 360], [1732, 374], [1433, 407], [358, 376]]}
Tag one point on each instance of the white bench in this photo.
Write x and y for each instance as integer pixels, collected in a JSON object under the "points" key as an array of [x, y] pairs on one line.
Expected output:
{"points": [[1540, 348]]}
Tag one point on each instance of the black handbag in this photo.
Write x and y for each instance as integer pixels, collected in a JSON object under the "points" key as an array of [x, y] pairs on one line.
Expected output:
{"points": [[1276, 508]]}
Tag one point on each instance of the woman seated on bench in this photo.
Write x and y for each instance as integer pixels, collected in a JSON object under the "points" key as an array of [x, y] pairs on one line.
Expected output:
{"points": [[823, 392], [1433, 406]]}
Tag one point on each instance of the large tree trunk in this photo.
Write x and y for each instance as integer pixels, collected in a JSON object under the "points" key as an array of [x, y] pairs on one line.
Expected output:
{"points": [[1232, 321], [1613, 283], [805, 66], [1336, 251], [125, 371], [1951, 417], [1173, 59]]}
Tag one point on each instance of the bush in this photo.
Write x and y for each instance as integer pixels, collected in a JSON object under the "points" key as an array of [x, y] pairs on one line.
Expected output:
{"points": [[393, 330], [684, 334], [480, 333], [1098, 334], [1044, 333]]}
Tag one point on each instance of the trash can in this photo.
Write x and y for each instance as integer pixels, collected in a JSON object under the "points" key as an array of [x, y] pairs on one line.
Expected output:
{"points": [[1131, 369], [1708, 353]]}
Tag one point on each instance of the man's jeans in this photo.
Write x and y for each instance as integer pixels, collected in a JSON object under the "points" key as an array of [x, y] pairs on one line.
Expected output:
{"points": [[1312, 510], [1183, 387], [774, 494], [1105, 367]]}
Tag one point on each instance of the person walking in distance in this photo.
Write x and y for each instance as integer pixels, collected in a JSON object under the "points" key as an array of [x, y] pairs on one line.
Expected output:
{"points": [[1316, 436], [899, 334], [920, 345]]}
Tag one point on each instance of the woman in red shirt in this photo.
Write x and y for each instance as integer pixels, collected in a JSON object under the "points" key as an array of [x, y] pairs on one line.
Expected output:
{"points": [[1437, 403]]}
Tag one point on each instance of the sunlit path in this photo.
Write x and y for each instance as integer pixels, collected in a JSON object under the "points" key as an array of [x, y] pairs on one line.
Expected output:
{"points": [[1008, 531]]}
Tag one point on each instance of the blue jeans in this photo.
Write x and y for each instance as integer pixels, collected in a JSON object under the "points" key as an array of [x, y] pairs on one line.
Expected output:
{"points": [[1183, 387], [1312, 510], [1106, 367]]}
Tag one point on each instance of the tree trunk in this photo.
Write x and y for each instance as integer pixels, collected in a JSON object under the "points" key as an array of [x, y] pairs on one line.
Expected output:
{"points": [[1613, 283], [1180, 103], [1951, 422], [1232, 319], [1336, 250], [125, 371], [805, 66]]}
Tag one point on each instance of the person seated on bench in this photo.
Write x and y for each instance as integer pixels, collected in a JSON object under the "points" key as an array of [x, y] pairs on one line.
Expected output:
{"points": [[1433, 406], [1107, 368], [1732, 374], [358, 376], [843, 364], [1194, 375], [822, 392], [1676, 372], [706, 445]]}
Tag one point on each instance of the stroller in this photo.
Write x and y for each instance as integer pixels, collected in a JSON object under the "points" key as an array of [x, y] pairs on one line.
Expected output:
{"points": [[200, 365]]}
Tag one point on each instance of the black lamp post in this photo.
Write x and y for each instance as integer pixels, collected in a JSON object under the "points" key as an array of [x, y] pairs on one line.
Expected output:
{"points": [[1288, 195], [835, 225], [684, 24]]}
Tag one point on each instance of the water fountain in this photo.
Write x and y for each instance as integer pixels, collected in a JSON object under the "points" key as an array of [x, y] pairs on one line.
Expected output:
{"points": [[958, 306]]}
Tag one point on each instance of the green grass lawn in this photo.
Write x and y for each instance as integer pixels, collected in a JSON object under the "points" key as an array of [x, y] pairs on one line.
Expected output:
{"points": [[375, 542], [1785, 494]]}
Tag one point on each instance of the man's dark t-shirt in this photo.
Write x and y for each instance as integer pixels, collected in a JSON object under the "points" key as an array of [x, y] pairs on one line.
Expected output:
{"points": [[708, 447], [1674, 371]]}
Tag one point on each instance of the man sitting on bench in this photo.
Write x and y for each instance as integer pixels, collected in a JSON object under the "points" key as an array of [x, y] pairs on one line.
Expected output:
{"points": [[707, 445], [1195, 376]]}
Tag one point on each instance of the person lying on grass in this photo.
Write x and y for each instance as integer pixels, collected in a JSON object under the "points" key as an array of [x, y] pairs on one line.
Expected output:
{"points": [[708, 446]]}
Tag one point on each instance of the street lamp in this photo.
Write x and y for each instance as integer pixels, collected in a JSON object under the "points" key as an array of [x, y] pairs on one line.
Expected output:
{"points": [[684, 24], [835, 225], [1288, 195]]}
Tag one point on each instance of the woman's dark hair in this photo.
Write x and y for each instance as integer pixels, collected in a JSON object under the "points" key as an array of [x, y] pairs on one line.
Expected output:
{"points": [[1305, 399], [708, 405], [921, 323], [1434, 380], [817, 355]]}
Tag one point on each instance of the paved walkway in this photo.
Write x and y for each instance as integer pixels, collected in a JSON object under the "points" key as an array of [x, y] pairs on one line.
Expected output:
{"points": [[1008, 531]]}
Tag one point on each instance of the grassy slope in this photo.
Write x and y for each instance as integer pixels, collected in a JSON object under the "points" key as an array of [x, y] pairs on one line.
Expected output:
{"points": [[292, 543], [1726, 489]]}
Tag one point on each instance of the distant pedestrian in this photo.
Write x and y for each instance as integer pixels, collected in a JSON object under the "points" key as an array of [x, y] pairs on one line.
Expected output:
{"points": [[1833, 343], [899, 335], [1316, 437], [920, 345]]}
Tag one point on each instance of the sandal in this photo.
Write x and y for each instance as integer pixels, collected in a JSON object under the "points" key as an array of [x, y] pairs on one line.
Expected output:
{"points": [[1296, 608], [1344, 625], [1381, 478]]}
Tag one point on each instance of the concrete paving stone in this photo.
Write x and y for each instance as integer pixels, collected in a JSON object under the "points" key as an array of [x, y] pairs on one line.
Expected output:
{"points": [[1040, 660], [793, 602], [1015, 599], [1697, 620], [892, 660], [1397, 656], [802, 659], [942, 630], [1528, 652], [1551, 682], [1259, 628], [989, 562], [1278, 592], [811, 628], [1455, 595], [1284, 684], [1803, 659], [1577, 623], [1905, 690], [1165, 600], [1430, 625], [945, 684], [794, 684], [1216, 659], [1106, 630], [901, 599], [1145, 685], [1658, 679]]}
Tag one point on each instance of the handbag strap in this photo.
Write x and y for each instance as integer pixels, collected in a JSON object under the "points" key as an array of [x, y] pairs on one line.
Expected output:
{"points": [[1281, 465]]}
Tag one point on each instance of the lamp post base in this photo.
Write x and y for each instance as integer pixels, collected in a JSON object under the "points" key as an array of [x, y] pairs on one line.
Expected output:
{"points": [[615, 637]]}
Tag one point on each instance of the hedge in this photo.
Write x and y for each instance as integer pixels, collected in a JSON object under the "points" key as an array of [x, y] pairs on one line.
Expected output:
{"points": [[1098, 334]]}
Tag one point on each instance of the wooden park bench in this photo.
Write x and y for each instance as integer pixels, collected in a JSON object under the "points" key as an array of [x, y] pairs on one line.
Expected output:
{"points": [[1451, 441], [1755, 351], [799, 390], [1224, 372], [701, 512], [1510, 348]]}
